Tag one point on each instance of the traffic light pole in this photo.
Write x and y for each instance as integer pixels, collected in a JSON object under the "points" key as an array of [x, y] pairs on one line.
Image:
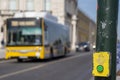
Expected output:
{"points": [[107, 15]]}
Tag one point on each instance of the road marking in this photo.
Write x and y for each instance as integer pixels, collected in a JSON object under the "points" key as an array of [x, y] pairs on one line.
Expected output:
{"points": [[75, 56], [39, 66], [21, 71]]}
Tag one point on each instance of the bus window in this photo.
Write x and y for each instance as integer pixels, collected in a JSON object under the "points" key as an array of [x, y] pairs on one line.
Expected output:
{"points": [[46, 35], [25, 36]]}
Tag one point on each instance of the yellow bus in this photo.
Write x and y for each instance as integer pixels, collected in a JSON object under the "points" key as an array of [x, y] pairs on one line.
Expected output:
{"points": [[40, 38]]}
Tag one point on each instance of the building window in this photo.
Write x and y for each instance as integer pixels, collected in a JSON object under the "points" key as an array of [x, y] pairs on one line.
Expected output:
{"points": [[12, 4], [2, 29], [30, 4], [47, 5], [3, 4]]}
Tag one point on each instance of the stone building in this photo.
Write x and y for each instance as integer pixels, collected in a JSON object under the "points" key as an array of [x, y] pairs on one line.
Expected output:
{"points": [[86, 29], [64, 10]]}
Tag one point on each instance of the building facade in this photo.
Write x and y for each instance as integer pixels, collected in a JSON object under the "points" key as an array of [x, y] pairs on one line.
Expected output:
{"points": [[64, 10], [86, 29]]}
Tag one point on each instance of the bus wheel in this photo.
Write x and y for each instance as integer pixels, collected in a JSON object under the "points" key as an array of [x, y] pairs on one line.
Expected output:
{"points": [[51, 53], [65, 51], [19, 60]]}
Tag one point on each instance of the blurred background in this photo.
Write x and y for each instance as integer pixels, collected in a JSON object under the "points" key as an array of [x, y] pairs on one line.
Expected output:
{"points": [[68, 12]]}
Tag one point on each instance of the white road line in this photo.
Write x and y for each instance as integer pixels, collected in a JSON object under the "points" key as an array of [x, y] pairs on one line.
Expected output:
{"points": [[39, 66], [75, 56], [21, 71]]}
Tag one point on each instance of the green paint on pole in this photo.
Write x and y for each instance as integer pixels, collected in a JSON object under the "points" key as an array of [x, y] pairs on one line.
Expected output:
{"points": [[107, 17]]}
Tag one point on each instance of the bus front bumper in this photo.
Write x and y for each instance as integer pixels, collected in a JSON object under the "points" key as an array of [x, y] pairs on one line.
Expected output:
{"points": [[25, 52]]}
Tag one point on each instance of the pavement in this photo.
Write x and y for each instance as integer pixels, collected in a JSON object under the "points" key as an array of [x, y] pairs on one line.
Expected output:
{"points": [[117, 78], [2, 56], [2, 53]]}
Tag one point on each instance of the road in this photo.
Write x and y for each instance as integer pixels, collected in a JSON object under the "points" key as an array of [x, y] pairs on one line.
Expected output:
{"points": [[76, 66]]}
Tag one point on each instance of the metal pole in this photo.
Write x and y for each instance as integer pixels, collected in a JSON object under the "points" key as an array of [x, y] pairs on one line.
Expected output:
{"points": [[107, 15]]}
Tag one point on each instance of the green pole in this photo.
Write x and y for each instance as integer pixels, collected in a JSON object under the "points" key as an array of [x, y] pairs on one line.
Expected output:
{"points": [[107, 15]]}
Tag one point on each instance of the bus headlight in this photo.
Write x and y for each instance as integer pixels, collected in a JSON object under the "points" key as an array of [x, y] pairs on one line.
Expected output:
{"points": [[38, 54], [38, 49]]}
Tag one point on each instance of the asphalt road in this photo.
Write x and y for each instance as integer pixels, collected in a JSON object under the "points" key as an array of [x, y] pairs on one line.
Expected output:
{"points": [[76, 66]]}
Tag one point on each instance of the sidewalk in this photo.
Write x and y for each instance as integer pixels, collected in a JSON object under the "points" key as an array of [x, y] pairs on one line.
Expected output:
{"points": [[2, 53], [117, 78]]}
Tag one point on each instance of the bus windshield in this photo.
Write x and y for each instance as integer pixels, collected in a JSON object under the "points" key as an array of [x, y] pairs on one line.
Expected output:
{"points": [[24, 36]]}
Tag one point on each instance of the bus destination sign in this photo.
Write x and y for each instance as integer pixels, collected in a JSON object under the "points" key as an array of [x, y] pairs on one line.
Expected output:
{"points": [[22, 23]]}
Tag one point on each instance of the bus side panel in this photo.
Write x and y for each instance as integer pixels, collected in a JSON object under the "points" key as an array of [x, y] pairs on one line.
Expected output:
{"points": [[57, 37]]}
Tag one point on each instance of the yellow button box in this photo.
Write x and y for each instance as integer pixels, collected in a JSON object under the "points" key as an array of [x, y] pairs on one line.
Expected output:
{"points": [[101, 64]]}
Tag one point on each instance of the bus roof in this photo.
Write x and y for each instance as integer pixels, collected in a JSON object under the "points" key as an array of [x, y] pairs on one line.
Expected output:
{"points": [[45, 15]]}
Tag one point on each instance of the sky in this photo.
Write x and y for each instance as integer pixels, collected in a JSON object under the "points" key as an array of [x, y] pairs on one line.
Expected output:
{"points": [[89, 8]]}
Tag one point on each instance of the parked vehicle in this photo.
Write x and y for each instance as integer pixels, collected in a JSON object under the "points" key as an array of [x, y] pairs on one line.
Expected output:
{"points": [[83, 46], [93, 46]]}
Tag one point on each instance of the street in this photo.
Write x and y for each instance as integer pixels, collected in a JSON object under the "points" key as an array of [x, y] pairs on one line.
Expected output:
{"points": [[76, 66]]}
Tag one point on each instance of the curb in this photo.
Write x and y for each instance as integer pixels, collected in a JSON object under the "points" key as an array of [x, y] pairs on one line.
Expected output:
{"points": [[117, 77], [2, 54], [2, 59]]}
